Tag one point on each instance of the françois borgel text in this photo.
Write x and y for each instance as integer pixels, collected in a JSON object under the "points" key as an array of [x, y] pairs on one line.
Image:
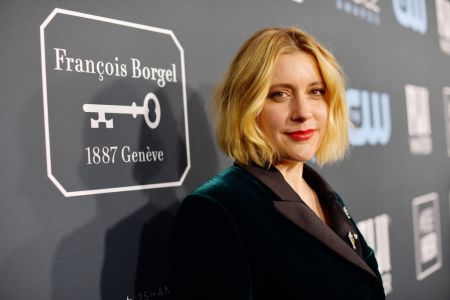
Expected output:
{"points": [[135, 69]]}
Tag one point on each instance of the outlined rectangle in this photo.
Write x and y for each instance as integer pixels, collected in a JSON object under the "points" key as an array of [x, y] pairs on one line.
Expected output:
{"points": [[70, 192], [425, 203]]}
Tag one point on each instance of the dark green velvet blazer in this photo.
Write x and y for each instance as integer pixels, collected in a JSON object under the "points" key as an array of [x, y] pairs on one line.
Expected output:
{"points": [[246, 234]]}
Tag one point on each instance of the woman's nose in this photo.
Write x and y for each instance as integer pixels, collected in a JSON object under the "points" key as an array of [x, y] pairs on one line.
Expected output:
{"points": [[300, 109]]}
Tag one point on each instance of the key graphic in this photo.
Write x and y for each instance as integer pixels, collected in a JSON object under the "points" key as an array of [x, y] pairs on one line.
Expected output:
{"points": [[102, 109]]}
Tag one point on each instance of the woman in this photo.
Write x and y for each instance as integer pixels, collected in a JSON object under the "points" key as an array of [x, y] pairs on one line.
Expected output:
{"points": [[270, 227]]}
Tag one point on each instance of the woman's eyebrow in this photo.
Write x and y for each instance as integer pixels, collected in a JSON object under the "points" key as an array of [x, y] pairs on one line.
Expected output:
{"points": [[285, 85], [291, 86], [319, 82]]}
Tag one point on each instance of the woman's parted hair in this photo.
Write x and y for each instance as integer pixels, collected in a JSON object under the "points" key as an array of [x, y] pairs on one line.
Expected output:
{"points": [[239, 98]]}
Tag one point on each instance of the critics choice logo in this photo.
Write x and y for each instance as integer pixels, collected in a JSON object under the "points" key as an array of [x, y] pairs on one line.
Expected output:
{"points": [[427, 234], [411, 14], [371, 116], [446, 95], [114, 105], [443, 24], [367, 10], [419, 125], [376, 233]]}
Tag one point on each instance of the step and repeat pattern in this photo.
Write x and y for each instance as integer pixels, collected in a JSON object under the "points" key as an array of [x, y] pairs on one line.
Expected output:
{"points": [[106, 127]]}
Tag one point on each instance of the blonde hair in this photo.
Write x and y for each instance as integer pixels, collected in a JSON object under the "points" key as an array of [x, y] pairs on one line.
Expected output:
{"points": [[239, 98]]}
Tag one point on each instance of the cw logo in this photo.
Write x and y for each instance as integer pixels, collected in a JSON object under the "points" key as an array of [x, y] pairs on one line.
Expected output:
{"points": [[443, 24], [371, 115], [411, 14]]}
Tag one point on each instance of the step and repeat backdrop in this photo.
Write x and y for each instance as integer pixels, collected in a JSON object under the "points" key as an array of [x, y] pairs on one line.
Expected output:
{"points": [[105, 128]]}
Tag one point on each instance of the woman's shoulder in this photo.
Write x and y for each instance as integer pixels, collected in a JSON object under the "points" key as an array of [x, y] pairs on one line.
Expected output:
{"points": [[231, 187], [232, 180], [219, 196]]}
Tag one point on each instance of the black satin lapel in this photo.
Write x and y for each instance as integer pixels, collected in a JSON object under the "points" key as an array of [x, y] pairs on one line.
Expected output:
{"points": [[274, 180], [305, 218], [293, 208]]}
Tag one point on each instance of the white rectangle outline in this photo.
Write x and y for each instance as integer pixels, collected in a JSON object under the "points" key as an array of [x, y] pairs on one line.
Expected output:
{"points": [[46, 125], [421, 274], [446, 100]]}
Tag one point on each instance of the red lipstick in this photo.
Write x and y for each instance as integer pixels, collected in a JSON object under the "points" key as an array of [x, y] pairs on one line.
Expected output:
{"points": [[301, 135]]}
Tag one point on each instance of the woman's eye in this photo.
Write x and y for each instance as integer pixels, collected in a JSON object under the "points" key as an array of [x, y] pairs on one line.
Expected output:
{"points": [[318, 92], [278, 95]]}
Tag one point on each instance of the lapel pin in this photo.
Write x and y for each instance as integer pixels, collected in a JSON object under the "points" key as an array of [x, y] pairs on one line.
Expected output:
{"points": [[346, 212], [353, 237]]}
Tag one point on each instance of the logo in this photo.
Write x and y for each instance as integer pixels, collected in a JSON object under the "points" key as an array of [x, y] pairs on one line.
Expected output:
{"points": [[446, 95], [419, 126], [160, 292], [371, 115], [443, 24], [411, 14], [367, 10], [376, 233], [114, 107], [427, 234]]}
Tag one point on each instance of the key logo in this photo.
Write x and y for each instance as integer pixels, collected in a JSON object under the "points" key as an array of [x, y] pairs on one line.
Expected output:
{"points": [[427, 234], [411, 14], [101, 110], [446, 96], [443, 24], [115, 108], [367, 10], [419, 125], [371, 116], [376, 233]]}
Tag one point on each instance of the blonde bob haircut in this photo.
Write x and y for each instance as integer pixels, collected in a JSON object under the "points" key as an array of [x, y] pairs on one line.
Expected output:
{"points": [[240, 97]]}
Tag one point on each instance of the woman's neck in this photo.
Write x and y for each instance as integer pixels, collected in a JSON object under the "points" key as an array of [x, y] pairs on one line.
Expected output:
{"points": [[292, 173]]}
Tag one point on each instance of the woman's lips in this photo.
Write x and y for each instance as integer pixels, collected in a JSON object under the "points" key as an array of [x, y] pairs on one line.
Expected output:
{"points": [[301, 135]]}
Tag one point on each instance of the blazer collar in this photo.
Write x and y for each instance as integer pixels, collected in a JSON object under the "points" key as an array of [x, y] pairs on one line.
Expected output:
{"points": [[291, 206]]}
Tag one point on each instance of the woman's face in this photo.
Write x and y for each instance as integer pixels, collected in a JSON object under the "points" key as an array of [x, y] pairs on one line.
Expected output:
{"points": [[295, 113]]}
